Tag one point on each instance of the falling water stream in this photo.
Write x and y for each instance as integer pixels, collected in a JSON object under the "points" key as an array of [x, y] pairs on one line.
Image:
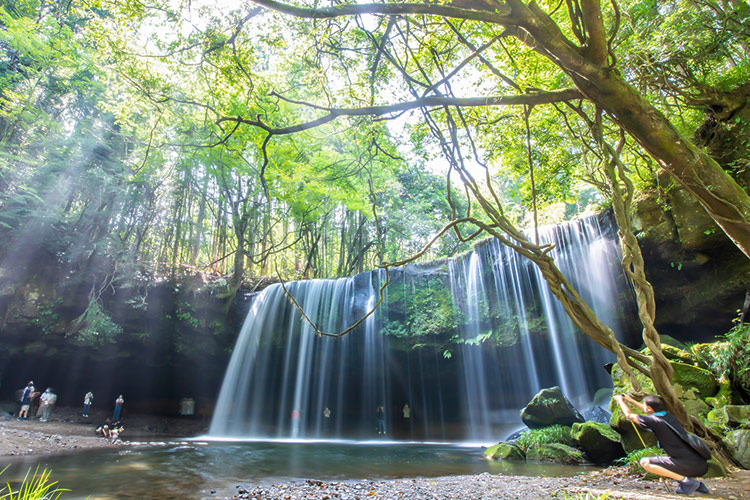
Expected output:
{"points": [[508, 337], [465, 343]]}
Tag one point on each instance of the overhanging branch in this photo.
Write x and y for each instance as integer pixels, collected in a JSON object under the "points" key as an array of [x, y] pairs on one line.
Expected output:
{"points": [[532, 98], [499, 15]]}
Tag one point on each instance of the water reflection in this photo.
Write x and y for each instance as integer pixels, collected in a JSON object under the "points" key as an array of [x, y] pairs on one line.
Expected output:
{"points": [[194, 470]]}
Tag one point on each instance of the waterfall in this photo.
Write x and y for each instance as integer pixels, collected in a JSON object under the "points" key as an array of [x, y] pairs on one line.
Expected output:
{"points": [[465, 343]]}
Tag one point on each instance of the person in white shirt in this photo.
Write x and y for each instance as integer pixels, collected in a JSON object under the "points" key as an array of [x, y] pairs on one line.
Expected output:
{"points": [[87, 400], [47, 400]]}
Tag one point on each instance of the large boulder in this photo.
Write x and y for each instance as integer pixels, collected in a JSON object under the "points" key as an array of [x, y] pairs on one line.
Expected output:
{"points": [[738, 443], [550, 407], [736, 415], [715, 468], [555, 452], [505, 451], [600, 442], [688, 376]]}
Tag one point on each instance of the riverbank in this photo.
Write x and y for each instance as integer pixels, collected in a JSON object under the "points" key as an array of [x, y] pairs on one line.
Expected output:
{"points": [[67, 430], [613, 484]]}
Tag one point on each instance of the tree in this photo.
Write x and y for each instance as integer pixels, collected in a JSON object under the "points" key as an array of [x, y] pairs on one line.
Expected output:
{"points": [[428, 55], [591, 66]]}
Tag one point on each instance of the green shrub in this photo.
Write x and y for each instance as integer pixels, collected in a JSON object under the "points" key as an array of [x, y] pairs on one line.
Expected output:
{"points": [[36, 486], [731, 359], [546, 435], [633, 458]]}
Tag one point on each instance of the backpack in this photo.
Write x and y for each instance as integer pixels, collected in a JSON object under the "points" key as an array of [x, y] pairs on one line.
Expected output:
{"points": [[696, 443]]}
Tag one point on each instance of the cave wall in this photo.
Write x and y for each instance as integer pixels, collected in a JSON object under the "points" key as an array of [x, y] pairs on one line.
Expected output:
{"points": [[699, 276]]}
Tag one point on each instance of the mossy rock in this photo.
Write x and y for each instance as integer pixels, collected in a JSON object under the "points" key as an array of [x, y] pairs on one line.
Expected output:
{"points": [[694, 405], [715, 468], [668, 340], [724, 397], [601, 443], [555, 452], [550, 407], [505, 451], [673, 353], [706, 353], [738, 443], [689, 376], [736, 415]]}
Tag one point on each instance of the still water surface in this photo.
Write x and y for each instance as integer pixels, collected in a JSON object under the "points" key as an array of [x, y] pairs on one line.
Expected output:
{"points": [[196, 469]]}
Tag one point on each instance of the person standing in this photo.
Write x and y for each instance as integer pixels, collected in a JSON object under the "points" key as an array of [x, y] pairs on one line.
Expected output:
{"points": [[406, 411], [327, 420], [295, 422], [26, 401], [87, 400], [47, 401], [118, 408], [380, 413]]}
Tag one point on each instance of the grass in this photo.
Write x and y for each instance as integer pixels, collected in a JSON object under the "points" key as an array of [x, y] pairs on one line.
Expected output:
{"points": [[35, 486], [546, 435], [633, 458]]}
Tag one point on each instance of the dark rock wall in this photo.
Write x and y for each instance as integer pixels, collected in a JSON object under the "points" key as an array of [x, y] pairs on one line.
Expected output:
{"points": [[699, 275]]}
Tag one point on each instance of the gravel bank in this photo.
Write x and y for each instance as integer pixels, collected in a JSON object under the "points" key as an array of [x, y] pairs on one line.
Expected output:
{"points": [[67, 430], [615, 482]]}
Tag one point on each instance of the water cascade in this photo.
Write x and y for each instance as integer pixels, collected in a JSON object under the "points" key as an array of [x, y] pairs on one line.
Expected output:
{"points": [[465, 343]]}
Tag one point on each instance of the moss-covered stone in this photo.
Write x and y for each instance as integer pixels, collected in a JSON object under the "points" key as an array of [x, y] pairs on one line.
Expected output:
{"points": [[715, 469], [550, 407], [505, 451], [738, 442], [724, 397], [600, 442], [689, 376], [555, 452], [735, 415], [694, 405], [673, 353]]}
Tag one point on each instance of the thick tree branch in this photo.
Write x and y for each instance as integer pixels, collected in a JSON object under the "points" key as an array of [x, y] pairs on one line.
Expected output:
{"points": [[532, 98], [499, 16]]}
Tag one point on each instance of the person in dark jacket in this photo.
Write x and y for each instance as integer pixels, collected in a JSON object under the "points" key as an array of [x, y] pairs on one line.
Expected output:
{"points": [[682, 462]]}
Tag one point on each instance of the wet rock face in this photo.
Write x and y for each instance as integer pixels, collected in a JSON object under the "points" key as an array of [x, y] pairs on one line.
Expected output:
{"points": [[550, 407], [699, 275]]}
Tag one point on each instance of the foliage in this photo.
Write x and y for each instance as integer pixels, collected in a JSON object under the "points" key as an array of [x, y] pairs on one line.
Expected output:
{"points": [[731, 359], [633, 458], [35, 486], [95, 326], [546, 435]]}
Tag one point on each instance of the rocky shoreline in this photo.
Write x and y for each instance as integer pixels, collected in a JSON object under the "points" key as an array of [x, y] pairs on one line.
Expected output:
{"points": [[68, 431], [613, 484]]}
